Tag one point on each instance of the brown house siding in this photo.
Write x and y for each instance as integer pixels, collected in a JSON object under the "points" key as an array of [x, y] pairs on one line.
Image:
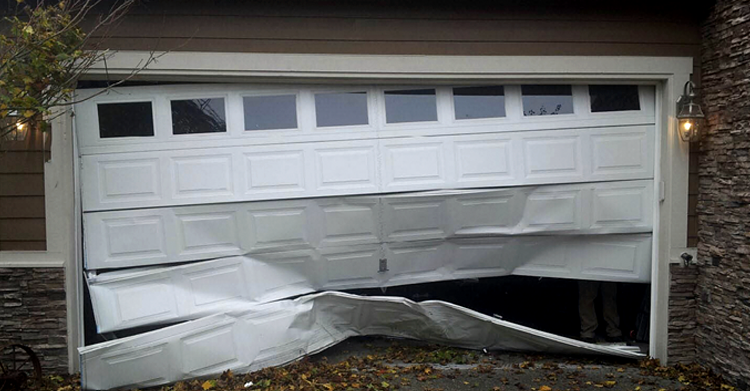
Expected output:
{"points": [[22, 222]]}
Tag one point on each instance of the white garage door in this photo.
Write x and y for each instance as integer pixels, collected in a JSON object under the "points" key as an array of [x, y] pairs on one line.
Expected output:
{"points": [[330, 187]]}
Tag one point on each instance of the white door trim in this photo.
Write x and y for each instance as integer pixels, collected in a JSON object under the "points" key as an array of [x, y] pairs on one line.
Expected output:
{"points": [[667, 73]]}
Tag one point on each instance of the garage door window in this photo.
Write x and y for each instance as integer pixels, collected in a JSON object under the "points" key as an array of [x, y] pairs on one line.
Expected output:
{"points": [[341, 109], [547, 100], [198, 116], [132, 119], [270, 112], [479, 102], [410, 106], [614, 98]]}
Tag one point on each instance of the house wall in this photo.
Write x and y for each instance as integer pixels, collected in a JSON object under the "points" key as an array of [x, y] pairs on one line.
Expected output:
{"points": [[723, 281], [362, 27], [474, 28]]}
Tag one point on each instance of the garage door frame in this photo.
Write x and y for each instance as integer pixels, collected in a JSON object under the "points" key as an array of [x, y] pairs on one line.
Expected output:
{"points": [[667, 73]]}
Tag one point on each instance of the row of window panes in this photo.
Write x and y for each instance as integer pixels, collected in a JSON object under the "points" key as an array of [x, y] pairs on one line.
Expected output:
{"points": [[350, 108]]}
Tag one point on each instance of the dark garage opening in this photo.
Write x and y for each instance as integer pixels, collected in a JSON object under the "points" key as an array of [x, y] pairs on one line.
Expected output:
{"points": [[547, 304]]}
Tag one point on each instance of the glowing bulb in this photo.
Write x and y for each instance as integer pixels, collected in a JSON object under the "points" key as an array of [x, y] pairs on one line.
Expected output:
{"points": [[20, 125], [687, 125]]}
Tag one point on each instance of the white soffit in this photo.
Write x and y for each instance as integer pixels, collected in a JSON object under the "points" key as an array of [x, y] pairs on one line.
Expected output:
{"points": [[156, 236], [281, 332], [163, 295]]}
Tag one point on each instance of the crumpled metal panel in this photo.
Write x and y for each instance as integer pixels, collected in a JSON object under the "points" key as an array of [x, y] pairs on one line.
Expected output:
{"points": [[280, 332], [157, 236], [160, 295]]}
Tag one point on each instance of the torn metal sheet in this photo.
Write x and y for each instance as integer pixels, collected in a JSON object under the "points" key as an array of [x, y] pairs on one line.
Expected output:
{"points": [[160, 295], [157, 236], [280, 332]]}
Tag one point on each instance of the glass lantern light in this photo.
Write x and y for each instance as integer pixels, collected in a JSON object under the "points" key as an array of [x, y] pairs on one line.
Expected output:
{"points": [[690, 118], [15, 127]]}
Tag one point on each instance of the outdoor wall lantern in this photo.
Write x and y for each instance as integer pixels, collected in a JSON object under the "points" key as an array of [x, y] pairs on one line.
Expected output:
{"points": [[17, 129], [690, 117]]}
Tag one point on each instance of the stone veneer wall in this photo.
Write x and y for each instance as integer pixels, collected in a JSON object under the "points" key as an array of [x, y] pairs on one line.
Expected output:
{"points": [[32, 312], [723, 287], [681, 341]]}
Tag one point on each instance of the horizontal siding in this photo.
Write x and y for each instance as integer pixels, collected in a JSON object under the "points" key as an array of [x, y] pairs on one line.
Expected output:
{"points": [[40, 245], [22, 207], [22, 230], [405, 30], [20, 162], [427, 9], [14, 185], [402, 47], [22, 210], [398, 27]]}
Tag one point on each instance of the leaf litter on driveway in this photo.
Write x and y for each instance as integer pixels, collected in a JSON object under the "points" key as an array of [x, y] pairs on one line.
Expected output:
{"points": [[381, 364]]}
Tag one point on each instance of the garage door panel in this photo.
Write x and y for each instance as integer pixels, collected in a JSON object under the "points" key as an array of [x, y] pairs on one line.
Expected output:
{"points": [[126, 239], [113, 182], [308, 130], [202, 176], [199, 289], [348, 221], [189, 233], [624, 151], [274, 171], [553, 211], [483, 161], [208, 233], [127, 180], [280, 226], [346, 169], [414, 165]]}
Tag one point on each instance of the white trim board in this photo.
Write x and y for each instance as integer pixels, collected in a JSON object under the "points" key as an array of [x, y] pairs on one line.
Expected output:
{"points": [[667, 73], [31, 259], [216, 66]]}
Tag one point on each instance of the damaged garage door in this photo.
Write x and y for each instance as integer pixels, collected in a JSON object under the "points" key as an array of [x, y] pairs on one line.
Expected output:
{"points": [[200, 200], [252, 338]]}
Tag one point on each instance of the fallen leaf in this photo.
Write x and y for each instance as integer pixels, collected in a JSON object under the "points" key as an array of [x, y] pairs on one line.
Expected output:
{"points": [[208, 384], [545, 388]]}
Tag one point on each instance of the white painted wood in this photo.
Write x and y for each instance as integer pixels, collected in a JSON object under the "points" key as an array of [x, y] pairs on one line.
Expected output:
{"points": [[153, 236], [212, 66]]}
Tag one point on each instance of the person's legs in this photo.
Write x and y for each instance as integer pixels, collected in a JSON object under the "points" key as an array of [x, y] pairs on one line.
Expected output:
{"points": [[609, 305], [587, 292]]}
